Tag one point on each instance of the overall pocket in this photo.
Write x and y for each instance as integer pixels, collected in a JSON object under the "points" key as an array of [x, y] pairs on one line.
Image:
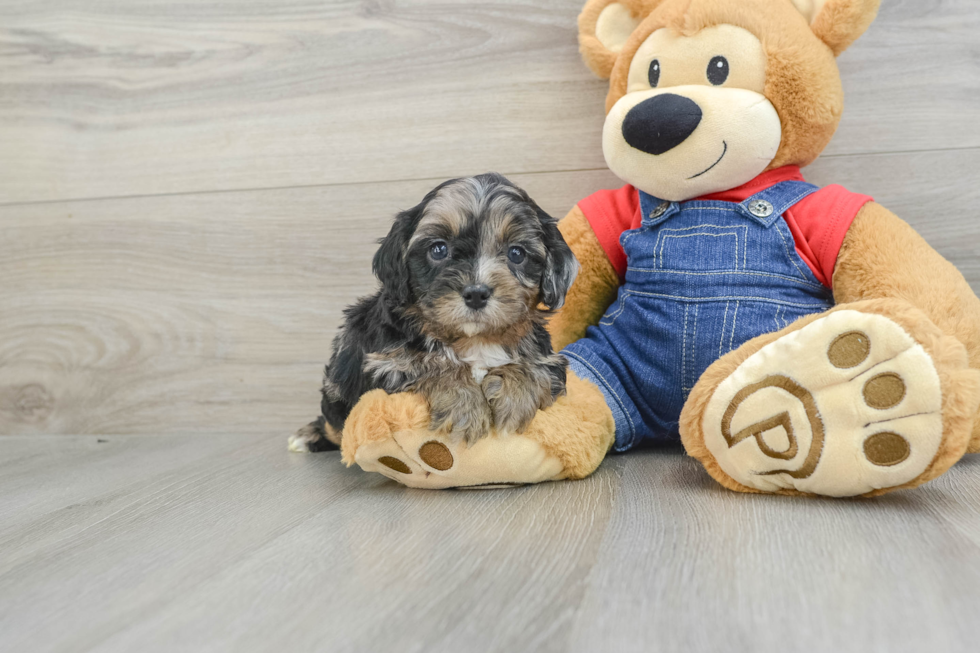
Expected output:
{"points": [[701, 248]]}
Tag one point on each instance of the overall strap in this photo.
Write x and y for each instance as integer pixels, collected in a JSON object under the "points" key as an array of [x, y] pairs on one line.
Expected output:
{"points": [[654, 210], [767, 205]]}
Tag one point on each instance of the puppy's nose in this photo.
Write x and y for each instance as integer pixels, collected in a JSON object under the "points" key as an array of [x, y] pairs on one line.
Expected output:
{"points": [[476, 296], [661, 123]]}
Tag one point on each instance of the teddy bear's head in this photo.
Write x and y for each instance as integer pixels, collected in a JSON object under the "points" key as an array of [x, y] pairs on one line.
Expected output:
{"points": [[706, 94]]}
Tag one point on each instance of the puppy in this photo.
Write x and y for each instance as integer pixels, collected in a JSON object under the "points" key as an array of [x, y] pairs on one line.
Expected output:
{"points": [[459, 315]]}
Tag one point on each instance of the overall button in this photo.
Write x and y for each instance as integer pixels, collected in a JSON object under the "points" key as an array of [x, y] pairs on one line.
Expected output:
{"points": [[661, 208], [760, 208]]}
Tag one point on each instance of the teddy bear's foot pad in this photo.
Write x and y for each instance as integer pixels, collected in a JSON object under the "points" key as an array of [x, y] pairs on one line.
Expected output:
{"points": [[428, 460], [849, 404]]}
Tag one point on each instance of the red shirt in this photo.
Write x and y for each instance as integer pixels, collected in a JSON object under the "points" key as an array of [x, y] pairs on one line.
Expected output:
{"points": [[818, 222]]}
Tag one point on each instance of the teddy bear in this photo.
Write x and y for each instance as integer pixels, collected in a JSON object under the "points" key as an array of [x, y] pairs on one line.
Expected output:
{"points": [[797, 340]]}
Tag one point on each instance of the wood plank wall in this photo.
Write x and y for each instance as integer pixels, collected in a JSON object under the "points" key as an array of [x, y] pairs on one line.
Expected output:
{"points": [[191, 192]]}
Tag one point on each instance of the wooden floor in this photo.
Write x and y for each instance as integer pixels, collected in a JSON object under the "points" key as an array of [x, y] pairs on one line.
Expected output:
{"points": [[191, 192], [229, 543]]}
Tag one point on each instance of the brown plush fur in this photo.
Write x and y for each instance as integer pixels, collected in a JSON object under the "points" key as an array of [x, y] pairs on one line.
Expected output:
{"points": [[883, 256], [960, 390], [578, 429], [599, 59], [594, 288], [376, 415], [841, 22]]}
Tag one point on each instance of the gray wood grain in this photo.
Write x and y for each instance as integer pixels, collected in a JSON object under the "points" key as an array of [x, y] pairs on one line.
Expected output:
{"points": [[229, 543], [711, 570], [214, 312], [103, 98]]}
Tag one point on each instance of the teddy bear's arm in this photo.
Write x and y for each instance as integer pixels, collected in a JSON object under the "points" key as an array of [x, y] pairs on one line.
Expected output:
{"points": [[594, 288], [883, 257]]}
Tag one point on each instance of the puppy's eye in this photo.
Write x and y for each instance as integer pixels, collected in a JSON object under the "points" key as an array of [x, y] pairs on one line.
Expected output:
{"points": [[654, 73], [718, 70], [516, 255], [438, 250]]}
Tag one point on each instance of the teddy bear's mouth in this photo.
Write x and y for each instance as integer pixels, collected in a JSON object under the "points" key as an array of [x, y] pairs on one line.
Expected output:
{"points": [[723, 152]]}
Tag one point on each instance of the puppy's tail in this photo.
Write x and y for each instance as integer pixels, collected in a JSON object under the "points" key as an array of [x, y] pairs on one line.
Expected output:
{"points": [[312, 438]]}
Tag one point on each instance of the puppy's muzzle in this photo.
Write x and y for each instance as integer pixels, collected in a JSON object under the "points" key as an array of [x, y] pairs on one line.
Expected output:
{"points": [[476, 297], [661, 123]]}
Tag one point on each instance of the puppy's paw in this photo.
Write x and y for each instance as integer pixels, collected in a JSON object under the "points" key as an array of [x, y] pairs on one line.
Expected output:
{"points": [[515, 397], [462, 412], [464, 424]]}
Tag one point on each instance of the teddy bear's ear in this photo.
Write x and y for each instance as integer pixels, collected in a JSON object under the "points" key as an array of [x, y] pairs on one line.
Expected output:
{"points": [[838, 23], [603, 28]]}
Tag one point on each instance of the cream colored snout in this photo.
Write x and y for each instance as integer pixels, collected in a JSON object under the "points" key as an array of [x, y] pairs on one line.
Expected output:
{"points": [[682, 142]]}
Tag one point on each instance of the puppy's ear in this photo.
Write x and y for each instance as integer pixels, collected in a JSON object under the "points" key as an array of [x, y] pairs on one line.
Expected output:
{"points": [[390, 263], [561, 266]]}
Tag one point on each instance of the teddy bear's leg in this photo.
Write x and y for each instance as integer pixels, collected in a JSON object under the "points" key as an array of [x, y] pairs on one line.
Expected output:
{"points": [[866, 398], [883, 257], [390, 434]]}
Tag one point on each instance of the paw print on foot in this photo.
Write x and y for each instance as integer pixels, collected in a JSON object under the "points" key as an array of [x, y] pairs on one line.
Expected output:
{"points": [[846, 405], [399, 460], [434, 454]]}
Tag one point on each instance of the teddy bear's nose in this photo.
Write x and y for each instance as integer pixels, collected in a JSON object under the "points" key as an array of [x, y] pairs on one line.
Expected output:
{"points": [[661, 123]]}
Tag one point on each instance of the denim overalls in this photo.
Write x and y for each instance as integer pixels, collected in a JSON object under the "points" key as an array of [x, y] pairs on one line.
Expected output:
{"points": [[704, 276]]}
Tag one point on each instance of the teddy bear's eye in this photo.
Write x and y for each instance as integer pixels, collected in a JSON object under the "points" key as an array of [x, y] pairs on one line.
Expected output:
{"points": [[718, 70], [654, 74]]}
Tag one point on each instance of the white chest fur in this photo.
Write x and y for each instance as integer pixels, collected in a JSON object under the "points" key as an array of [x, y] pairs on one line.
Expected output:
{"points": [[482, 356]]}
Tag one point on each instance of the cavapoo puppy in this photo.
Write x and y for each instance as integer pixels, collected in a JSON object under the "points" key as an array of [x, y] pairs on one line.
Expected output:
{"points": [[458, 317]]}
